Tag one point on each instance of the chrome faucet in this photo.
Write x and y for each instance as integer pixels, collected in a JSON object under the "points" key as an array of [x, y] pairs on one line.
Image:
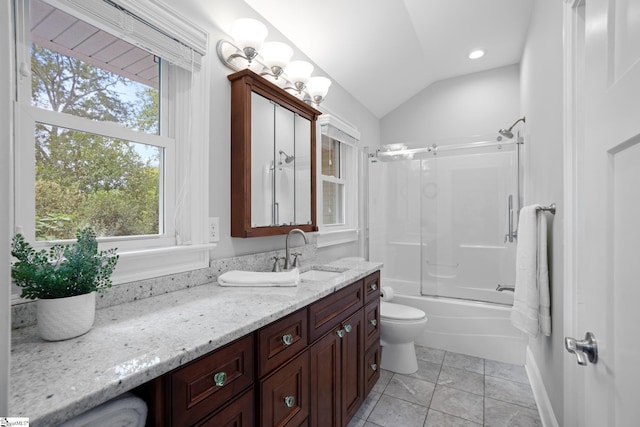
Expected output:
{"points": [[287, 255]]}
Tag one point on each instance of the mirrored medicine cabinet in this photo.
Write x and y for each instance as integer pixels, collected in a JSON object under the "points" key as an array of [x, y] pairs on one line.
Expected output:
{"points": [[273, 159]]}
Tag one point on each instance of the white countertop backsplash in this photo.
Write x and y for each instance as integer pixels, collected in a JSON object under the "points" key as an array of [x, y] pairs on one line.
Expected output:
{"points": [[134, 342]]}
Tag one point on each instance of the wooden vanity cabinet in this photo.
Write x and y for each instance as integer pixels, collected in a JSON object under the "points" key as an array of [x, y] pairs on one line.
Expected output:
{"points": [[313, 367]]}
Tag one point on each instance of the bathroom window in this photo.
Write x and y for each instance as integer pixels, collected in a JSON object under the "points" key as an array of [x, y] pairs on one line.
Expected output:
{"points": [[101, 128], [338, 179]]}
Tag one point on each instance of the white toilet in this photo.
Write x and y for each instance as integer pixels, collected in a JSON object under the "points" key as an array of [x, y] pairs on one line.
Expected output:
{"points": [[399, 327]]}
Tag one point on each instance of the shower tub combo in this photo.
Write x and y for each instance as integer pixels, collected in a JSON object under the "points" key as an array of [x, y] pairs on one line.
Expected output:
{"points": [[442, 220]]}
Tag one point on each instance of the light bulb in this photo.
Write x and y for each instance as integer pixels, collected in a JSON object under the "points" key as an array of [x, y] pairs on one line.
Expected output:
{"points": [[276, 56], [248, 35], [299, 73]]}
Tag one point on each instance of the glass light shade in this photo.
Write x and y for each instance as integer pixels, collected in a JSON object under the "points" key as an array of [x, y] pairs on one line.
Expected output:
{"points": [[318, 86], [248, 32], [276, 54], [299, 72]]}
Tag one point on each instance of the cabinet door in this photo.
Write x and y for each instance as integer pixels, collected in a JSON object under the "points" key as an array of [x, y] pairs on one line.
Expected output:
{"points": [[352, 366], [371, 368], [326, 355], [238, 413], [371, 324], [372, 287], [284, 395]]}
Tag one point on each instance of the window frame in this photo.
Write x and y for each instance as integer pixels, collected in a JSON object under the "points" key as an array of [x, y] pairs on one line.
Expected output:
{"points": [[146, 256], [334, 234]]}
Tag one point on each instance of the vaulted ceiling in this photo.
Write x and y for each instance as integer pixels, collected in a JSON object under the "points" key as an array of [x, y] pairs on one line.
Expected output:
{"points": [[386, 51]]}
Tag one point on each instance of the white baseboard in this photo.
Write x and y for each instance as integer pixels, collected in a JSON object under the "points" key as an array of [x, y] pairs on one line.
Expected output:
{"points": [[540, 392]]}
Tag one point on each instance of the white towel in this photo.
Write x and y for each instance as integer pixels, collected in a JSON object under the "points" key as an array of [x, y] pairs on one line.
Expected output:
{"points": [[126, 410], [531, 311], [254, 278]]}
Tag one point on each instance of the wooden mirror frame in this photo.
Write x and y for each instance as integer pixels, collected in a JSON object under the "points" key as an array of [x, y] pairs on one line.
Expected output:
{"points": [[243, 83]]}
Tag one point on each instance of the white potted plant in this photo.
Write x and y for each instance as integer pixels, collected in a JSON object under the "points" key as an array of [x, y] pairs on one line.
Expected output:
{"points": [[64, 280]]}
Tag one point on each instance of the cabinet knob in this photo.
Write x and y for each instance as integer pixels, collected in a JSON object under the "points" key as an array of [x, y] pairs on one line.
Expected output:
{"points": [[374, 367], [289, 401], [340, 333], [373, 286], [374, 322], [219, 378], [287, 339], [347, 328]]}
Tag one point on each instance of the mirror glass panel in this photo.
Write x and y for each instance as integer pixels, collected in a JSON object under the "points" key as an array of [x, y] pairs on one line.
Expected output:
{"points": [[262, 131], [280, 165], [285, 166]]}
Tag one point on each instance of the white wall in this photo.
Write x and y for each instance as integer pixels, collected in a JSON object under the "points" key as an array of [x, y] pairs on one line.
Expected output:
{"points": [[474, 104], [6, 128], [216, 18], [541, 79]]}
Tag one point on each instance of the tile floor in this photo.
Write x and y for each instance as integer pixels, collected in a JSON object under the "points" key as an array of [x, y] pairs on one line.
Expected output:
{"points": [[451, 390]]}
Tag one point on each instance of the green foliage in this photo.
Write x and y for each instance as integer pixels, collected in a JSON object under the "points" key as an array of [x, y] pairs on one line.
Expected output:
{"points": [[63, 270], [85, 179]]}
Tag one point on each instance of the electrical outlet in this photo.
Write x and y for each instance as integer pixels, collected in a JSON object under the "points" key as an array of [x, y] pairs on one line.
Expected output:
{"points": [[214, 229]]}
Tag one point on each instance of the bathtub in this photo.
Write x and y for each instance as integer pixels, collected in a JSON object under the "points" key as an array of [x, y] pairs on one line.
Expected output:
{"points": [[469, 327]]}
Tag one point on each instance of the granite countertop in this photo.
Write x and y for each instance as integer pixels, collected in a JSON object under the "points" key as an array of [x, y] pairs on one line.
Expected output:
{"points": [[135, 342]]}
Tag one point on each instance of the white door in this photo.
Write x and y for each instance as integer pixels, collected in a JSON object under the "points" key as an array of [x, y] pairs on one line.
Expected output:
{"points": [[604, 224]]}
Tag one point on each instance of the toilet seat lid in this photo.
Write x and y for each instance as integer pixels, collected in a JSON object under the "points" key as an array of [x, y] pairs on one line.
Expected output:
{"points": [[394, 311]]}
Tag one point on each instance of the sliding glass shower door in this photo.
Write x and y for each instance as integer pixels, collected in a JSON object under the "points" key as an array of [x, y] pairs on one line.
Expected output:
{"points": [[464, 204], [440, 221]]}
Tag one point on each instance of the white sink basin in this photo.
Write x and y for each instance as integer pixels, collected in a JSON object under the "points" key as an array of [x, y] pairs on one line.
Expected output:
{"points": [[319, 275]]}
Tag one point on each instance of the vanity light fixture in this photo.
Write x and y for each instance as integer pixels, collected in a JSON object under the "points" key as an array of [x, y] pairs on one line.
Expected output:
{"points": [[476, 54], [272, 61]]}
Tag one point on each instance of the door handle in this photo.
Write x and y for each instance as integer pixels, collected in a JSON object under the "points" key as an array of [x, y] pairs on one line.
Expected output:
{"points": [[511, 234], [585, 350]]}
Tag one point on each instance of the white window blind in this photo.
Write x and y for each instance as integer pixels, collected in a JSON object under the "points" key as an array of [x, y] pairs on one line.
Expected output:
{"points": [[184, 47], [337, 129]]}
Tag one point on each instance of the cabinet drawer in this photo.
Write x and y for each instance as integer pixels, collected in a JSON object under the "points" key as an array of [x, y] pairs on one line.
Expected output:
{"points": [[281, 340], [238, 413], [202, 386], [284, 395], [371, 324], [331, 310], [371, 287], [371, 368]]}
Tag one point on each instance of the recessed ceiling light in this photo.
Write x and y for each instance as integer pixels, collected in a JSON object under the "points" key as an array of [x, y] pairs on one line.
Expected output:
{"points": [[476, 54]]}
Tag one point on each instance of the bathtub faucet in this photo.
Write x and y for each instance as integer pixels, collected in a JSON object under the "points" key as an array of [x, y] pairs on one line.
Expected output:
{"points": [[287, 255]]}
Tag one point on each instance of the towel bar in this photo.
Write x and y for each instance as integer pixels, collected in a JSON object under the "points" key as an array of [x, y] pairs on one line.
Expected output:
{"points": [[551, 208]]}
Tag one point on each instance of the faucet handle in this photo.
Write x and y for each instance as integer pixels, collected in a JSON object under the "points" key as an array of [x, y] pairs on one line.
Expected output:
{"points": [[296, 263], [276, 264]]}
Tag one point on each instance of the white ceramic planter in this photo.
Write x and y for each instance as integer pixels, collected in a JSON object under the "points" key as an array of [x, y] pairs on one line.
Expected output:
{"points": [[65, 318]]}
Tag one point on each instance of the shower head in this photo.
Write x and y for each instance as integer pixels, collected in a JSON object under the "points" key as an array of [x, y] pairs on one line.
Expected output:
{"points": [[507, 132], [287, 158]]}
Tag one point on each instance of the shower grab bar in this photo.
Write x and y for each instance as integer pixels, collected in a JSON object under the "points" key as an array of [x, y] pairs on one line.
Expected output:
{"points": [[501, 288], [511, 234]]}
